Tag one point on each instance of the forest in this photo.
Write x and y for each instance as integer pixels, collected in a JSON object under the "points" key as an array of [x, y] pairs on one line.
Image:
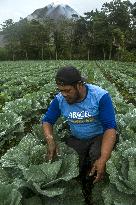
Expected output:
{"points": [[108, 34]]}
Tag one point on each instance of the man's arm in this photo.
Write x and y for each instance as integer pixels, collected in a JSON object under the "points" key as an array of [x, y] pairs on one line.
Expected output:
{"points": [[108, 142], [109, 139], [48, 121], [52, 147], [107, 117]]}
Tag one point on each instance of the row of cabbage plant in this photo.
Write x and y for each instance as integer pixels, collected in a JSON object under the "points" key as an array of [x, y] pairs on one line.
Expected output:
{"points": [[120, 184], [125, 82]]}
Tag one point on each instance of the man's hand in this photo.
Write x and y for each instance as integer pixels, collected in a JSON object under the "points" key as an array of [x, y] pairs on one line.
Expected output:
{"points": [[52, 149], [99, 168], [109, 139]]}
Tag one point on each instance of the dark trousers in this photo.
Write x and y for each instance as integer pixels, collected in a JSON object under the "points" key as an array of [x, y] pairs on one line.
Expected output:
{"points": [[89, 151]]}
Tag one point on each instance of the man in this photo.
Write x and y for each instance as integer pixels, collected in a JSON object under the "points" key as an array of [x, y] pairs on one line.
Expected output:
{"points": [[90, 115]]}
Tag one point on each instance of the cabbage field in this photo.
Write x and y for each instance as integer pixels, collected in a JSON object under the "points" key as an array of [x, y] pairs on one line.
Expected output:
{"points": [[26, 176]]}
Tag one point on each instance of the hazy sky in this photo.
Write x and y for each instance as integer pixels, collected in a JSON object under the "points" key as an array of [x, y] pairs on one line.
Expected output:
{"points": [[15, 9]]}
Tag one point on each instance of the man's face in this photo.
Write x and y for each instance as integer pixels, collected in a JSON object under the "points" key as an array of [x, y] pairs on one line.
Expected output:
{"points": [[70, 93]]}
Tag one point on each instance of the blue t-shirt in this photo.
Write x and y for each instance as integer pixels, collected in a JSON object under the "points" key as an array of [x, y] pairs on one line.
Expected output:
{"points": [[89, 118]]}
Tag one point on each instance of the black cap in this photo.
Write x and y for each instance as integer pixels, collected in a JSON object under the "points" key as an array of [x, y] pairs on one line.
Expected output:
{"points": [[68, 76]]}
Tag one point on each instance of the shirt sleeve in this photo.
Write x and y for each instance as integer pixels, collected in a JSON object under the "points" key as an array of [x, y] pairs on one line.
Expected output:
{"points": [[107, 113], [53, 112]]}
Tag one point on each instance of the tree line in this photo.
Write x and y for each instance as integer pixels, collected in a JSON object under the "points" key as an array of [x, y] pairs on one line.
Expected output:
{"points": [[106, 34]]}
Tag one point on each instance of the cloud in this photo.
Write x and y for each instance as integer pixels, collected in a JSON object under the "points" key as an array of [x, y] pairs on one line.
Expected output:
{"points": [[61, 1], [14, 9]]}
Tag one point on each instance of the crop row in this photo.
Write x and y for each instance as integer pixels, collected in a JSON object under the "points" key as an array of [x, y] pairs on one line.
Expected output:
{"points": [[126, 68], [125, 83], [18, 113], [27, 109], [120, 187]]}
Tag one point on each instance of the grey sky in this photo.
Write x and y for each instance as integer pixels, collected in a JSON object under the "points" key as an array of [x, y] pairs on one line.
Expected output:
{"points": [[15, 9]]}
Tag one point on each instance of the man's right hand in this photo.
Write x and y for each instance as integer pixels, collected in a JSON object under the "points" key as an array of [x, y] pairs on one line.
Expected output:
{"points": [[52, 149]]}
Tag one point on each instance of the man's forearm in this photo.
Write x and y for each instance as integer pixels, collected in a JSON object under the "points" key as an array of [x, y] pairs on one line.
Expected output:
{"points": [[108, 142], [52, 147], [109, 139], [48, 132]]}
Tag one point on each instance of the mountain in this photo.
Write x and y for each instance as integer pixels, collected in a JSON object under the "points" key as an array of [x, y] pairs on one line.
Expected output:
{"points": [[55, 12], [51, 11]]}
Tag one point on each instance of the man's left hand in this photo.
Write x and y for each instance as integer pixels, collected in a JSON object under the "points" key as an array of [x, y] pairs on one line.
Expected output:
{"points": [[99, 168]]}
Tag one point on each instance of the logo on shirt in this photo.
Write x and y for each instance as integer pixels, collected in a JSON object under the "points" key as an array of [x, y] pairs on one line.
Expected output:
{"points": [[80, 117]]}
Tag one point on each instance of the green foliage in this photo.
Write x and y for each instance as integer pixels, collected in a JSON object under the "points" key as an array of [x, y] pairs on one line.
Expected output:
{"points": [[121, 167], [32, 201], [98, 35], [10, 125], [98, 188], [26, 166], [3, 54], [128, 56], [9, 195], [3, 98], [121, 187], [72, 195]]}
